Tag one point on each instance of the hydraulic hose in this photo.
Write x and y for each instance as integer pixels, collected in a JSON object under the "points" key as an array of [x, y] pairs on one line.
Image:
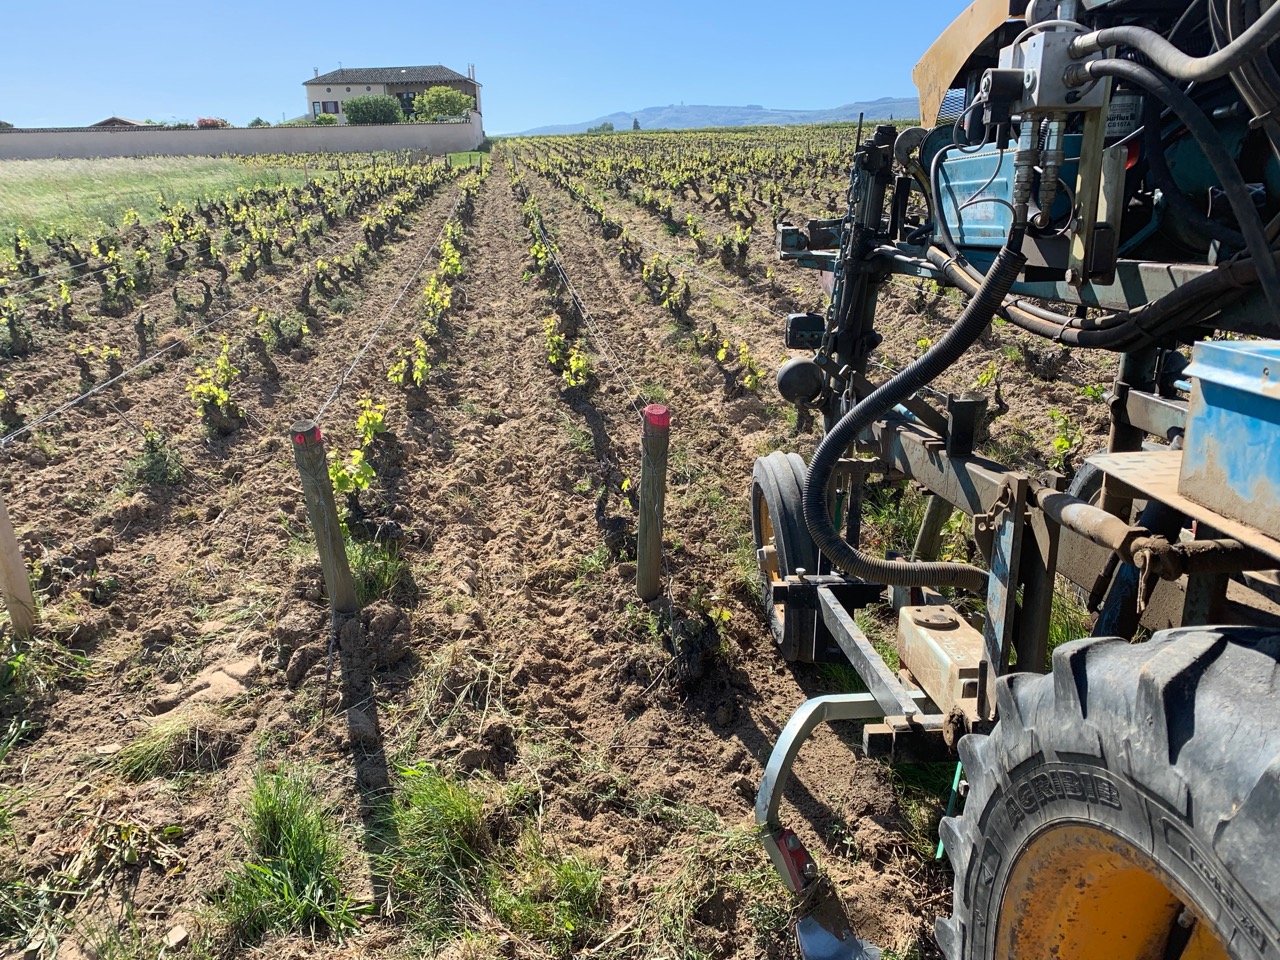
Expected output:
{"points": [[1224, 167], [1119, 332], [1172, 61], [949, 348]]}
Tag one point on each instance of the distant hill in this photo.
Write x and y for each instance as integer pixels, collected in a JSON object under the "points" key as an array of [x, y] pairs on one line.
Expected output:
{"points": [[685, 116]]}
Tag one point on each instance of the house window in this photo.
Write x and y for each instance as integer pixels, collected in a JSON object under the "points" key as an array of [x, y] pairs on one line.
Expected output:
{"points": [[328, 89], [348, 89], [368, 88], [315, 109], [330, 106]]}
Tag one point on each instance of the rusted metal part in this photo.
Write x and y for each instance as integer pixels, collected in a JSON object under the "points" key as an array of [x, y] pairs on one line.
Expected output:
{"points": [[1154, 474], [942, 652], [943, 61], [908, 740], [1092, 523], [1151, 553]]}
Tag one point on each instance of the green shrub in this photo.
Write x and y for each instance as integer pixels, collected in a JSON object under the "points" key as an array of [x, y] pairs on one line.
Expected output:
{"points": [[374, 108], [326, 119], [441, 101]]}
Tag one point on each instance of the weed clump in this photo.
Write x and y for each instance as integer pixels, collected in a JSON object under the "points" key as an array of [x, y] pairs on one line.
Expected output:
{"points": [[557, 901], [439, 838], [158, 465], [290, 882], [443, 859], [186, 743]]}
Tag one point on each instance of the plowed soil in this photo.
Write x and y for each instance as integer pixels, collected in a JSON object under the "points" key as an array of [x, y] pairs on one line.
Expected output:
{"points": [[515, 651]]}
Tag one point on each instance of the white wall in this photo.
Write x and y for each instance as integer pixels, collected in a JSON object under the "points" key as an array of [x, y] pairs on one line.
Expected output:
{"points": [[435, 138]]}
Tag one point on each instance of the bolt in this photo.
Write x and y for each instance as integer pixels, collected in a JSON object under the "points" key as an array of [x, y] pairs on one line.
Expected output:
{"points": [[793, 842], [1029, 79], [809, 870]]}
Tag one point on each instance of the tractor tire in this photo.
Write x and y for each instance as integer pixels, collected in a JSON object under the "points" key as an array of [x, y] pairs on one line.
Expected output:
{"points": [[1124, 806], [783, 546]]}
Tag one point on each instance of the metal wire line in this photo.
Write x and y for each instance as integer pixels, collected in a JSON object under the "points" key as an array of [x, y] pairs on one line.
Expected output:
{"points": [[57, 411], [601, 340], [597, 333], [386, 316]]}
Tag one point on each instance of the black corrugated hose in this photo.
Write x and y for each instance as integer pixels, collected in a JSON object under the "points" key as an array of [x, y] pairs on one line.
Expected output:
{"points": [[949, 348]]}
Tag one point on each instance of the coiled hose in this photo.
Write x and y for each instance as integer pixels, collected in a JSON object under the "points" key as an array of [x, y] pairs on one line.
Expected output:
{"points": [[949, 348]]}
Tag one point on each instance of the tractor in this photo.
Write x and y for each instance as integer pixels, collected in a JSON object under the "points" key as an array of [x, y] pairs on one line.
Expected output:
{"points": [[1104, 174]]}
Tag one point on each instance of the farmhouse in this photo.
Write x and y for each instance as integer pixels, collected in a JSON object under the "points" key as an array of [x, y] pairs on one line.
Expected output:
{"points": [[327, 92]]}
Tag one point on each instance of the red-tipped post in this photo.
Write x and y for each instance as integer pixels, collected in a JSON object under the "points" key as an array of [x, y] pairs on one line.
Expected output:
{"points": [[322, 510], [654, 441]]}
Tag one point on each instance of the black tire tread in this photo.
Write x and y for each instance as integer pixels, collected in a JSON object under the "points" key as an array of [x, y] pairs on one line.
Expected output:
{"points": [[1191, 719]]}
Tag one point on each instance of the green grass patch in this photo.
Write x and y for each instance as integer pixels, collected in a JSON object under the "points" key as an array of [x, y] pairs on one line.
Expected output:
{"points": [[894, 513], [379, 572], [186, 743], [30, 667], [290, 883], [158, 464], [467, 158], [1068, 618], [449, 852], [923, 789], [72, 196], [557, 901], [439, 836]]}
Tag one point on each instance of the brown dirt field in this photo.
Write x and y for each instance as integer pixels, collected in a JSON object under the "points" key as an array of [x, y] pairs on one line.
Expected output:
{"points": [[515, 653]]}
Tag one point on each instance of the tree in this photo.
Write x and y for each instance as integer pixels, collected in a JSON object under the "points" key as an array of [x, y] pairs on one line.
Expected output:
{"points": [[4, 125], [441, 102], [258, 122], [635, 124], [374, 108], [605, 127], [327, 119]]}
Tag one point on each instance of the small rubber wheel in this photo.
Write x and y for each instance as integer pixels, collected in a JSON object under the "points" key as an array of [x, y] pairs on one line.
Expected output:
{"points": [[783, 546], [1124, 806]]}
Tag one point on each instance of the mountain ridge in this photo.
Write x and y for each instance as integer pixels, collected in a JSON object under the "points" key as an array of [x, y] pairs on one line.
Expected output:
{"points": [[688, 116]]}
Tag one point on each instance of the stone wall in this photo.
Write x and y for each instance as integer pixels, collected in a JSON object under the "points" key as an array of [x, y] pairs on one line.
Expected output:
{"points": [[86, 142]]}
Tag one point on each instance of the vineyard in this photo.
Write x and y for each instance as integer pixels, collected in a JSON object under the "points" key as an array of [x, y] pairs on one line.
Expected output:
{"points": [[506, 753]]}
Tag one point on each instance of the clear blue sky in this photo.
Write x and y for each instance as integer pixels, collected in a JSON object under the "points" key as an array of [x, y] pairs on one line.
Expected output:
{"points": [[540, 62]]}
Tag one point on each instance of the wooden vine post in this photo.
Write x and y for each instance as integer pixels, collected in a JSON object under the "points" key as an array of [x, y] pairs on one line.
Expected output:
{"points": [[653, 494], [15, 585], [322, 510]]}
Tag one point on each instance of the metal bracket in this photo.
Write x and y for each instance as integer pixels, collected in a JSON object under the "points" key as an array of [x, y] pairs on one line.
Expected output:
{"points": [[890, 694], [1009, 516]]}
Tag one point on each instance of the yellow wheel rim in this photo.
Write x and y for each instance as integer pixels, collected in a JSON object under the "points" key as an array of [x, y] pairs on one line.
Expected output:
{"points": [[1077, 891], [769, 556]]}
